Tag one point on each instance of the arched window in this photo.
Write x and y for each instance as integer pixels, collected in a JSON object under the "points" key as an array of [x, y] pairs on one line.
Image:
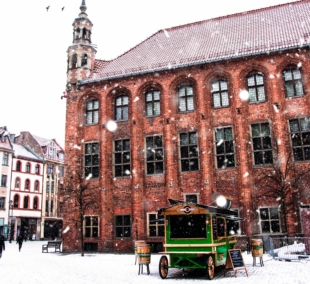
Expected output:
{"points": [[26, 200], [92, 112], [16, 201], [17, 183], [35, 203], [36, 185], [84, 33], [27, 184], [84, 60], [186, 98], [121, 108], [37, 169], [293, 82], [74, 61], [77, 33], [152, 103], [256, 88], [18, 166], [219, 90], [28, 168]]}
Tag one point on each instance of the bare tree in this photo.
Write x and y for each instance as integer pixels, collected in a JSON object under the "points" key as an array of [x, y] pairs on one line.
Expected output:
{"points": [[283, 181], [80, 197]]}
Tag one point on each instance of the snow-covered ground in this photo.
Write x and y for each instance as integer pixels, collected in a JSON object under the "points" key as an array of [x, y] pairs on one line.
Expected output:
{"points": [[32, 266]]}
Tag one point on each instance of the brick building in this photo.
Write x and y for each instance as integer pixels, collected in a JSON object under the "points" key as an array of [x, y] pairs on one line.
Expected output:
{"points": [[196, 108]]}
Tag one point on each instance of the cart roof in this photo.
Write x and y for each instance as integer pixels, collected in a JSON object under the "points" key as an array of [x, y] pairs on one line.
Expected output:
{"points": [[179, 207]]}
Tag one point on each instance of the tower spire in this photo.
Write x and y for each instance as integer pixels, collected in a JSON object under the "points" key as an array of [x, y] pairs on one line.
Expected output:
{"points": [[83, 9]]}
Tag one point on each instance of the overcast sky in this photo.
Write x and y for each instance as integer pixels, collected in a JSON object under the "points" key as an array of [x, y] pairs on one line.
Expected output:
{"points": [[34, 44]]}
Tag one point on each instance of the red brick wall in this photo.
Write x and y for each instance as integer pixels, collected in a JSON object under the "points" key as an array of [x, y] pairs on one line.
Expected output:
{"points": [[140, 194]]}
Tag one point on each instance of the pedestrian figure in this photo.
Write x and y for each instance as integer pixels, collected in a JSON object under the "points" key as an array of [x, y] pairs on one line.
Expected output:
{"points": [[2, 244], [20, 240]]}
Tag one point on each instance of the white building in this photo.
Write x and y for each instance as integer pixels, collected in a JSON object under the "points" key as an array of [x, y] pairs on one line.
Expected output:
{"points": [[26, 193]]}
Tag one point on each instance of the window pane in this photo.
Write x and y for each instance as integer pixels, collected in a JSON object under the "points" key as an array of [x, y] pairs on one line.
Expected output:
{"points": [[190, 103], [225, 101], [182, 106], [216, 100], [183, 139]]}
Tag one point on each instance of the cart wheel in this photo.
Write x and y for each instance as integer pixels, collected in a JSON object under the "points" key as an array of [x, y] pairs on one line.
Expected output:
{"points": [[163, 267], [210, 267]]}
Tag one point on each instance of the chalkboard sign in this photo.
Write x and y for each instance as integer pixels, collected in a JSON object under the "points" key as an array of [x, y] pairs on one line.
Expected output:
{"points": [[236, 258], [235, 261]]}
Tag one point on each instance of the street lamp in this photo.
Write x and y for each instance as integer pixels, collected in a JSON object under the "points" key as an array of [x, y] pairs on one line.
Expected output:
{"points": [[10, 219]]}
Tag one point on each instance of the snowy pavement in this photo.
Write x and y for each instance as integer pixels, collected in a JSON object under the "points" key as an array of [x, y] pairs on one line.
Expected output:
{"points": [[32, 266]]}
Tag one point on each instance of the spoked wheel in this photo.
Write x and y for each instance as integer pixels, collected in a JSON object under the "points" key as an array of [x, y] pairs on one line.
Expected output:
{"points": [[210, 267], [163, 267]]}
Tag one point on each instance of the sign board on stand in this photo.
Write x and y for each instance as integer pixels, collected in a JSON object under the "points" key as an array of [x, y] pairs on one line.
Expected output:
{"points": [[235, 261]]}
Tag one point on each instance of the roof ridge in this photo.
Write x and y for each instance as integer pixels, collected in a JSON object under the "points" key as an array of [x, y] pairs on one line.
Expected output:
{"points": [[235, 14]]}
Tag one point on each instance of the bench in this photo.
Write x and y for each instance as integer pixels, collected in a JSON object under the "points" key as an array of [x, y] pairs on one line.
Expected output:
{"points": [[52, 244]]}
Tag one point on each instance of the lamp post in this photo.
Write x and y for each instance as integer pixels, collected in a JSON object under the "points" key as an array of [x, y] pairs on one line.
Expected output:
{"points": [[10, 219]]}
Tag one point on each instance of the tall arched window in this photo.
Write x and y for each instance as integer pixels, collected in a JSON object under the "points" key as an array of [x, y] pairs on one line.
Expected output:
{"points": [[74, 61], [17, 183], [186, 98], [152, 103], [256, 88], [92, 112], [26, 200], [16, 201], [121, 108], [293, 82], [77, 33], [27, 184], [219, 90], [37, 169], [18, 166], [35, 203], [28, 168], [36, 186]]}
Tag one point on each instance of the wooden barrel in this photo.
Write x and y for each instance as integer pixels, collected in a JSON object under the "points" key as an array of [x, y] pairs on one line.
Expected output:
{"points": [[144, 253], [137, 244], [257, 247]]}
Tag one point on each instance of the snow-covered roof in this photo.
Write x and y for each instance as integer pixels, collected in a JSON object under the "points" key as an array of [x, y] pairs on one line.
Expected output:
{"points": [[22, 152], [259, 31]]}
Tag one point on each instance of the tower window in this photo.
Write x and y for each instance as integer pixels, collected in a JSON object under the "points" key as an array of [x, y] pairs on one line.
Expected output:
{"points": [[74, 61], [84, 59]]}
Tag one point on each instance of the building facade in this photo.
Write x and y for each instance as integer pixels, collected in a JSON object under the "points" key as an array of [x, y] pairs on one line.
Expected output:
{"points": [[190, 113], [52, 172], [6, 158], [25, 194]]}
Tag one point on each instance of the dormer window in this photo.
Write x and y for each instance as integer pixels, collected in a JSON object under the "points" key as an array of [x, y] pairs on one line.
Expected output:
{"points": [[84, 60]]}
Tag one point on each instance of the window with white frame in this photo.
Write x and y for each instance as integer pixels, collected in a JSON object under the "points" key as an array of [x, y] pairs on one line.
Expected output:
{"points": [[3, 180], [256, 88], [92, 112], [186, 98], [50, 169], [2, 202], [269, 220], [155, 225], [91, 227], [5, 159]]}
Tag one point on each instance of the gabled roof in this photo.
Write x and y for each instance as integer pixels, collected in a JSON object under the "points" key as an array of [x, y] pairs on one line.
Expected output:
{"points": [[21, 151], [244, 34]]}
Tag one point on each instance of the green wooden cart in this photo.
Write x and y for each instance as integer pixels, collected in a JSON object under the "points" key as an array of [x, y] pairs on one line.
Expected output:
{"points": [[197, 236]]}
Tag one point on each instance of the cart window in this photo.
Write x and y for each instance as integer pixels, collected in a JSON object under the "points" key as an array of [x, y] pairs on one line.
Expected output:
{"points": [[220, 227], [188, 226]]}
